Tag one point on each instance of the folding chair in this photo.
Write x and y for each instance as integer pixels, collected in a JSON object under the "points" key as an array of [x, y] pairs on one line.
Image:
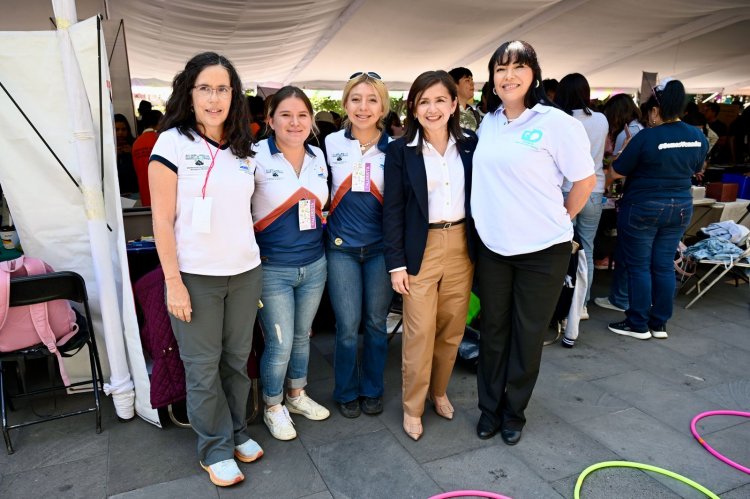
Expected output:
{"points": [[742, 261], [38, 289]]}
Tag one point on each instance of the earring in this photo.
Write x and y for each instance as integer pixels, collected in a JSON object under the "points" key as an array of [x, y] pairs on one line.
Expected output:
{"points": [[537, 84], [494, 91]]}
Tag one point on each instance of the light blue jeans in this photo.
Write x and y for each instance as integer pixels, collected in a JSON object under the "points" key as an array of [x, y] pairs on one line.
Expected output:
{"points": [[586, 223], [361, 293], [291, 296]]}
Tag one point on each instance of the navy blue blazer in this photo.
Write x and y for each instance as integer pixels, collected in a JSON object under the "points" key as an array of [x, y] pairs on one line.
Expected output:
{"points": [[405, 215]]}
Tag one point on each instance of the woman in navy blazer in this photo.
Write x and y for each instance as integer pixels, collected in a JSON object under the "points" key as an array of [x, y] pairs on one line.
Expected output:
{"points": [[429, 240]]}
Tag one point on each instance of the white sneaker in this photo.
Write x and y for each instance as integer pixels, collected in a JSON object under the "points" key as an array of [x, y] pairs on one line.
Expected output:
{"points": [[584, 313], [224, 473], [248, 452], [659, 332], [307, 407], [280, 424], [604, 302]]}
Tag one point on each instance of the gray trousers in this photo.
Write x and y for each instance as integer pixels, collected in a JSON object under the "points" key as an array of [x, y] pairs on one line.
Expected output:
{"points": [[214, 347]]}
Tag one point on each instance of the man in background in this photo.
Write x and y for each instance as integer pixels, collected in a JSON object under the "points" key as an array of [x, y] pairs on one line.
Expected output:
{"points": [[464, 79]]}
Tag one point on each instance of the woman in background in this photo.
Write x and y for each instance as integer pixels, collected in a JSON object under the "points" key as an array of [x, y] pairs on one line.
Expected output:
{"points": [[573, 96], [624, 120], [656, 208]]}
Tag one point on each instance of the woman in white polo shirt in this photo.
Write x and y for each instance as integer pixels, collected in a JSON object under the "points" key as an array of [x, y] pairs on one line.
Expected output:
{"points": [[358, 282], [291, 188], [526, 148], [201, 182]]}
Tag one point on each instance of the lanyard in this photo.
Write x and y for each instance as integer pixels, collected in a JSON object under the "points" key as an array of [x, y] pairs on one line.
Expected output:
{"points": [[210, 167]]}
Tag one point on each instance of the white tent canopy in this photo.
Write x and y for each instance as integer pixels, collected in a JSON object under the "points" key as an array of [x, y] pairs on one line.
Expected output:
{"points": [[318, 44]]}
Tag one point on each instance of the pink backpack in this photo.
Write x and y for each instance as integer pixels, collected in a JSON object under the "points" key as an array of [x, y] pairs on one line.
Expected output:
{"points": [[52, 323]]}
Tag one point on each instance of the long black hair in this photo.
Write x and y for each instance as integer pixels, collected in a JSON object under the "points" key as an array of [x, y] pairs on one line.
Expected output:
{"points": [[573, 92], [518, 52], [179, 110], [422, 83]]}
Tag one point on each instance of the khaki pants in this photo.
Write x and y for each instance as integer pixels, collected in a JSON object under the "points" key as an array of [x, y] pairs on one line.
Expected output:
{"points": [[434, 317]]}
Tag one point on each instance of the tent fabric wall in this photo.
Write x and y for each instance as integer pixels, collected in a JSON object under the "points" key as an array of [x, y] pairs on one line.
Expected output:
{"points": [[319, 44], [48, 209]]}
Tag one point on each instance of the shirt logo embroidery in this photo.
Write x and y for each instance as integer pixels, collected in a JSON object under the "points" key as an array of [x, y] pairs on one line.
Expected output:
{"points": [[339, 156], [246, 167], [274, 173], [530, 138]]}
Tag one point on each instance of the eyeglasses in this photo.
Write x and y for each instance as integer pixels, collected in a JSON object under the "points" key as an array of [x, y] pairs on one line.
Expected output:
{"points": [[371, 74], [206, 92]]}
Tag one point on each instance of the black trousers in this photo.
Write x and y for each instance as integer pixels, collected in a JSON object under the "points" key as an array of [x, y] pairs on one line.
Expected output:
{"points": [[518, 296]]}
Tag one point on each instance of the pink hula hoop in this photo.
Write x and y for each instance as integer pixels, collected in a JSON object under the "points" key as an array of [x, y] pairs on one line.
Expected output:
{"points": [[464, 493], [711, 449]]}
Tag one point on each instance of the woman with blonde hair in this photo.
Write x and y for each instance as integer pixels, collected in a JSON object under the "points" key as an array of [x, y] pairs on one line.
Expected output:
{"points": [[358, 282]]}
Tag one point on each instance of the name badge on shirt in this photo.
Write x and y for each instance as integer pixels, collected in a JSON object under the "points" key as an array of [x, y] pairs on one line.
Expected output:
{"points": [[202, 215], [307, 214], [361, 177]]}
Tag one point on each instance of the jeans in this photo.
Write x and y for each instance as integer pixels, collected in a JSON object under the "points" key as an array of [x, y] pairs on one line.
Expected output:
{"points": [[360, 290], [650, 232], [586, 223], [290, 300], [618, 288]]}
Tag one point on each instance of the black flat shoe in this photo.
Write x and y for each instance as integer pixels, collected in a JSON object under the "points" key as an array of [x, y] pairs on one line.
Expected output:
{"points": [[372, 406], [510, 437], [485, 428], [349, 409]]}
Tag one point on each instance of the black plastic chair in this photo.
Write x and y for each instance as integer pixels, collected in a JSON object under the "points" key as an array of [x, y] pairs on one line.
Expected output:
{"points": [[38, 289]]}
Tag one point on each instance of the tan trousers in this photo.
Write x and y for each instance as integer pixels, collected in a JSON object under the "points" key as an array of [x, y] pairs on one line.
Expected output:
{"points": [[434, 317]]}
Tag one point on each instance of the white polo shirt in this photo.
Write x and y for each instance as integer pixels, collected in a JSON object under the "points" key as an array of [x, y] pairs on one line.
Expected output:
{"points": [[597, 128], [275, 206], [518, 170], [355, 218], [230, 247], [446, 196]]}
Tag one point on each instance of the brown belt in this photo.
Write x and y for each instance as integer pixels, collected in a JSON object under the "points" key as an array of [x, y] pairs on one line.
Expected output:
{"points": [[446, 225]]}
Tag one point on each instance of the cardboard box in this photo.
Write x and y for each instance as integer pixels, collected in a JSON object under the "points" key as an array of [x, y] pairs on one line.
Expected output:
{"points": [[721, 191]]}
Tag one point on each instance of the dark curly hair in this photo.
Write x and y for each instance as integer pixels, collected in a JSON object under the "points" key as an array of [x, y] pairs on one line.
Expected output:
{"points": [[179, 113]]}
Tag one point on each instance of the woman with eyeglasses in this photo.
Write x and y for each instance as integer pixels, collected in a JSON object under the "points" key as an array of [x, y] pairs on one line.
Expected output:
{"points": [[428, 235], [358, 283], [201, 182], [527, 147], [291, 188], [656, 208]]}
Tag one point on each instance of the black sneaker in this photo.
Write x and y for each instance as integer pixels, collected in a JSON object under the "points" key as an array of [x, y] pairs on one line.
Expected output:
{"points": [[625, 329], [659, 332], [350, 409], [568, 343], [372, 406]]}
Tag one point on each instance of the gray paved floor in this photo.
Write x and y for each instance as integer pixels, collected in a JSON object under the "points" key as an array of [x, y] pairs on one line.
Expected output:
{"points": [[610, 398]]}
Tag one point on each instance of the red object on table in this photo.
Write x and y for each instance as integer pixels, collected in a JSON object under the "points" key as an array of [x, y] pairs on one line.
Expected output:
{"points": [[721, 191]]}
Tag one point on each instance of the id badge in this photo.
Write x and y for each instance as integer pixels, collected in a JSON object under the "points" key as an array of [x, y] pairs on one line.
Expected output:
{"points": [[202, 215], [361, 177], [307, 214]]}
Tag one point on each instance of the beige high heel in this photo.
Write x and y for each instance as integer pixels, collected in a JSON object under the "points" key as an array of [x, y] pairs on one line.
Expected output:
{"points": [[413, 427], [442, 406]]}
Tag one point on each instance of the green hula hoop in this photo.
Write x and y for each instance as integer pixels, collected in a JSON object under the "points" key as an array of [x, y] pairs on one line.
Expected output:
{"points": [[638, 466]]}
